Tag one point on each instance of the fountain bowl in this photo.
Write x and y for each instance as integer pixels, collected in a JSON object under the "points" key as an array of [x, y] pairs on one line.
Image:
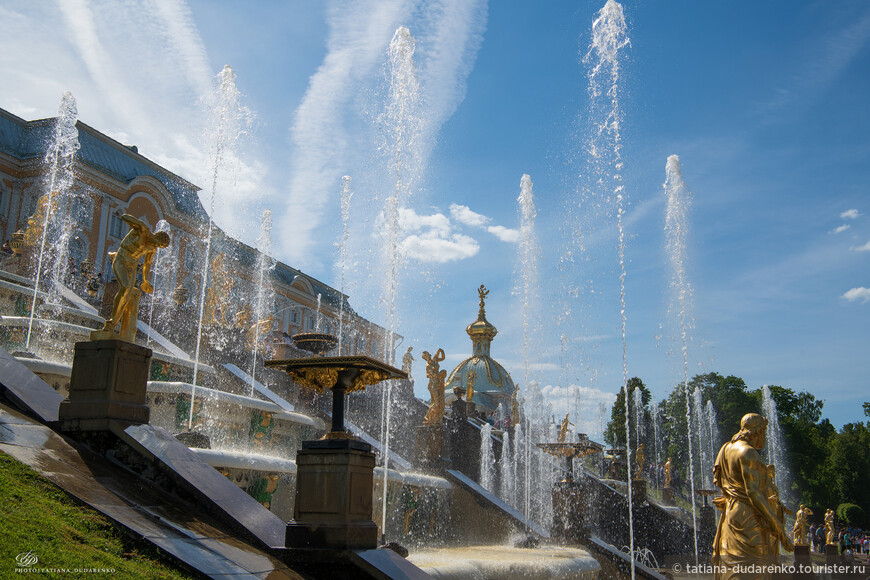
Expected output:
{"points": [[318, 343]]}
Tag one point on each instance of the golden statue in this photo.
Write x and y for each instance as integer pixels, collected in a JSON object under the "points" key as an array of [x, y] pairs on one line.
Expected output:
{"points": [[470, 377], [36, 222], [515, 409], [408, 361], [563, 429], [830, 535], [218, 295], [436, 387], [639, 460], [668, 467], [800, 525], [138, 243], [748, 528], [482, 292]]}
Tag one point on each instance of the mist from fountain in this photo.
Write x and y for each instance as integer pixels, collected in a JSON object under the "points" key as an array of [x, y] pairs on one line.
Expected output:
{"points": [[346, 195], [487, 458], [609, 38], [265, 292], [705, 461], [161, 266], [400, 122], [223, 132], [710, 416], [656, 422], [507, 490], [679, 201], [775, 443], [57, 225], [639, 419], [318, 315]]}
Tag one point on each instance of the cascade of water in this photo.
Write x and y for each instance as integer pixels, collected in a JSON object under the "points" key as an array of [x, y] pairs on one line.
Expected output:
{"points": [[518, 463], [487, 458], [222, 134], [700, 427], [654, 411], [160, 267], [317, 314], [56, 225], [265, 293], [346, 195], [775, 447], [639, 422], [609, 37], [507, 488], [710, 416], [401, 123], [679, 201]]}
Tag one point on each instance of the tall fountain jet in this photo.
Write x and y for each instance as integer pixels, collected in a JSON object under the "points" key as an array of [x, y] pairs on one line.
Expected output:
{"points": [[346, 196], [528, 255], [56, 225], [222, 134], [401, 124], [609, 39], [679, 201], [265, 293]]}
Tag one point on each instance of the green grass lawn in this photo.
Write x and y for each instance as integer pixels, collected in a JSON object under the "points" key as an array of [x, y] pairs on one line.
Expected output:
{"points": [[38, 517]]}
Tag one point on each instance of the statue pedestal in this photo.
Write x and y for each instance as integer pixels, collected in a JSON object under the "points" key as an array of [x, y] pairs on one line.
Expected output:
{"points": [[638, 491], [429, 446], [668, 495], [108, 383], [334, 483], [803, 563], [832, 555], [569, 525]]}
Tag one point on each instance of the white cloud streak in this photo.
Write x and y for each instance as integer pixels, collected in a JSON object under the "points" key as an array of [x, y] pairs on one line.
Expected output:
{"points": [[505, 234], [864, 248], [464, 215], [840, 229], [859, 294], [850, 214]]}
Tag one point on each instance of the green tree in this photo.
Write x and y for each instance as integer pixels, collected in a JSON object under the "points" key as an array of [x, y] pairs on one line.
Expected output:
{"points": [[848, 465], [614, 434], [851, 514]]}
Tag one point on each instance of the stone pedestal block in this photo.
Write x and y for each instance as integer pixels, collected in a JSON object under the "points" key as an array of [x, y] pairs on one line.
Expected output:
{"points": [[832, 555], [638, 491], [668, 495], [569, 512], [429, 447], [108, 383], [334, 483]]}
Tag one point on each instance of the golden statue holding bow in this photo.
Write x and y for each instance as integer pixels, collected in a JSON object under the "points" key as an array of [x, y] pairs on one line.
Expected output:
{"points": [[436, 378]]}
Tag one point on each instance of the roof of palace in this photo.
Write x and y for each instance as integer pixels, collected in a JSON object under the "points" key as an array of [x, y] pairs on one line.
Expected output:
{"points": [[493, 385]]}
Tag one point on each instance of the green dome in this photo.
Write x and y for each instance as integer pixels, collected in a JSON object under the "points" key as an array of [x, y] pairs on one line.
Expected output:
{"points": [[492, 383]]}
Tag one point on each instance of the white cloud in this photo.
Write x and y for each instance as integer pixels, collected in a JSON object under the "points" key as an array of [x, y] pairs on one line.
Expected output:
{"points": [[327, 128], [856, 294], [864, 248], [437, 224], [504, 234], [850, 214], [840, 229], [464, 215], [440, 250]]}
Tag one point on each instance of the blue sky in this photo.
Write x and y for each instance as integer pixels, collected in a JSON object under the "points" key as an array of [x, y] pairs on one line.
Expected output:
{"points": [[765, 104]]}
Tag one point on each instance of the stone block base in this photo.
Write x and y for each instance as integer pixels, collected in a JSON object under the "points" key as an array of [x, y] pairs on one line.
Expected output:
{"points": [[668, 495], [569, 515], [108, 383], [638, 490], [832, 555], [334, 483], [428, 446]]}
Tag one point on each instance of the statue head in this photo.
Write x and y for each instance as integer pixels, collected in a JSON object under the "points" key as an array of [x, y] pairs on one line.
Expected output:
{"points": [[753, 428], [161, 239]]}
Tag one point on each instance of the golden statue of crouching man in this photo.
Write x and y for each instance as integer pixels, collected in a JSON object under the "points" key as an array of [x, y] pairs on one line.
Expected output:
{"points": [[139, 242], [749, 533]]}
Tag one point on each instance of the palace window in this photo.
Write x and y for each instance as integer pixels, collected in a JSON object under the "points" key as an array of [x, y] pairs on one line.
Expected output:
{"points": [[117, 227]]}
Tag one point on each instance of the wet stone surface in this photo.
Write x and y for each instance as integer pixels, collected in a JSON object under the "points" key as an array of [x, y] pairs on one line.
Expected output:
{"points": [[137, 505]]}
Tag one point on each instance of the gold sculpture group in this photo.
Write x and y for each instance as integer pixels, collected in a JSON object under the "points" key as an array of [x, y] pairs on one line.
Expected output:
{"points": [[752, 525]]}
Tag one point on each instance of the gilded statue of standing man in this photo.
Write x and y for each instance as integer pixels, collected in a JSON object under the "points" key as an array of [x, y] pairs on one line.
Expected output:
{"points": [[436, 387], [138, 243], [749, 529]]}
